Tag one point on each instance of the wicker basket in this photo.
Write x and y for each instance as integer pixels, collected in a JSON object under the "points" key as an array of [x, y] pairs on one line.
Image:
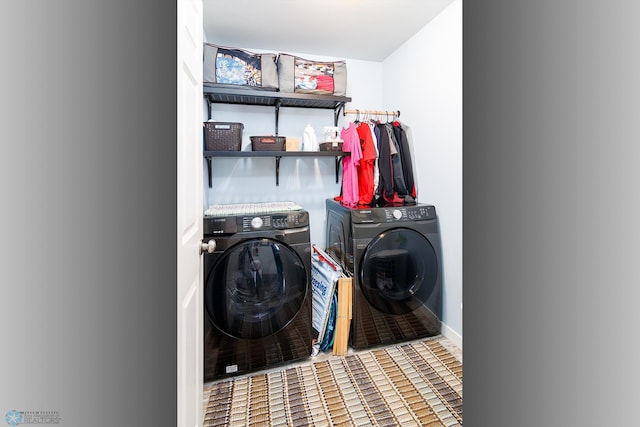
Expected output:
{"points": [[267, 143], [330, 146], [221, 136]]}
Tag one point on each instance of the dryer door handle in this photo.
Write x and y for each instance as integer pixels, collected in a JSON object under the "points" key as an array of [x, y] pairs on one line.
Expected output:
{"points": [[208, 247]]}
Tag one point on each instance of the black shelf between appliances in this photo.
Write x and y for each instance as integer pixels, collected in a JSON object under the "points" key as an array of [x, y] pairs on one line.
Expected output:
{"points": [[209, 155]]}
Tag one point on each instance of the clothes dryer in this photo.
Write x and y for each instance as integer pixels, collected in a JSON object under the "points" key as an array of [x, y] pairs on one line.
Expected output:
{"points": [[257, 290], [394, 256]]}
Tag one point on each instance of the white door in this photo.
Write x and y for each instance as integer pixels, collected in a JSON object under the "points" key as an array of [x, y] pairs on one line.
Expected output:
{"points": [[189, 211]]}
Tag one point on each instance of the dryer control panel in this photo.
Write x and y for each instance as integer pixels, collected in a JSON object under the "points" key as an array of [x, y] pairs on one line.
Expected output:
{"points": [[393, 214]]}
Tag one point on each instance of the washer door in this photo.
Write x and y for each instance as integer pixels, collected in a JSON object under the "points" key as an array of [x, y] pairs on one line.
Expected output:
{"points": [[255, 288], [399, 271]]}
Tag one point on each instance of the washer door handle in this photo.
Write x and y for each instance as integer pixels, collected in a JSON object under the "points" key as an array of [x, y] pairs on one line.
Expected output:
{"points": [[208, 247]]}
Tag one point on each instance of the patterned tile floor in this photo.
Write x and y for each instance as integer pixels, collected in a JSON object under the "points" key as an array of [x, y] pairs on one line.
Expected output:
{"points": [[448, 344]]}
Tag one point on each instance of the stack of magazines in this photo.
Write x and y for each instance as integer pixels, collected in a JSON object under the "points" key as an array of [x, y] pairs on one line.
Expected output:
{"points": [[325, 273]]}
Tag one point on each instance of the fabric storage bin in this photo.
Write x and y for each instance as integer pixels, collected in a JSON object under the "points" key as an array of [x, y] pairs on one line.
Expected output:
{"points": [[239, 68], [267, 143], [299, 75], [223, 136]]}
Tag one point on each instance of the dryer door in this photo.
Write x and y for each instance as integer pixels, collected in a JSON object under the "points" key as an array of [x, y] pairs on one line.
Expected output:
{"points": [[399, 271], [255, 288]]}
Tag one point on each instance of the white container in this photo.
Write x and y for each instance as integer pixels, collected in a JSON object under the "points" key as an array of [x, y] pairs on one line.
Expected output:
{"points": [[309, 139]]}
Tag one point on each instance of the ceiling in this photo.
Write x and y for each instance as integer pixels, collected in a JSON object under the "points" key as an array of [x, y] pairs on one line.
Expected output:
{"points": [[355, 29]]}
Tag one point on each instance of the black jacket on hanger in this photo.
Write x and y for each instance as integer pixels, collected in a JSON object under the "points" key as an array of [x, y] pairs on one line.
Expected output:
{"points": [[385, 167], [405, 155], [396, 162]]}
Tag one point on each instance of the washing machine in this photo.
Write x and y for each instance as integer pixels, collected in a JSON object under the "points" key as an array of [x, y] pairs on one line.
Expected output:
{"points": [[257, 287], [393, 254]]}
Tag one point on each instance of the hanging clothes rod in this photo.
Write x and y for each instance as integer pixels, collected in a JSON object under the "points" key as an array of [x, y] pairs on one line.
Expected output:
{"points": [[373, 112]]}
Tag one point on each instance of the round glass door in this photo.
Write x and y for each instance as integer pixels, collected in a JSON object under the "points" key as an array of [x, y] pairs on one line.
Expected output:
{"points": [[255, 288], [399, 270]]}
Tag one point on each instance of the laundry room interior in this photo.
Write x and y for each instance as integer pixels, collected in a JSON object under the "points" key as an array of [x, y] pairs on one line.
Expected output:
{"points": [[418, 80]]}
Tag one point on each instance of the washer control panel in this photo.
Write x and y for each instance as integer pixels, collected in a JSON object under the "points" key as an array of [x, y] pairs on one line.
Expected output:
{"points": [[281, 221], [256, 222]]}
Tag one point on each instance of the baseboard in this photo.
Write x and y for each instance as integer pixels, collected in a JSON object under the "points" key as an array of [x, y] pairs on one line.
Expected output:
{"points": [[452, 335]]}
